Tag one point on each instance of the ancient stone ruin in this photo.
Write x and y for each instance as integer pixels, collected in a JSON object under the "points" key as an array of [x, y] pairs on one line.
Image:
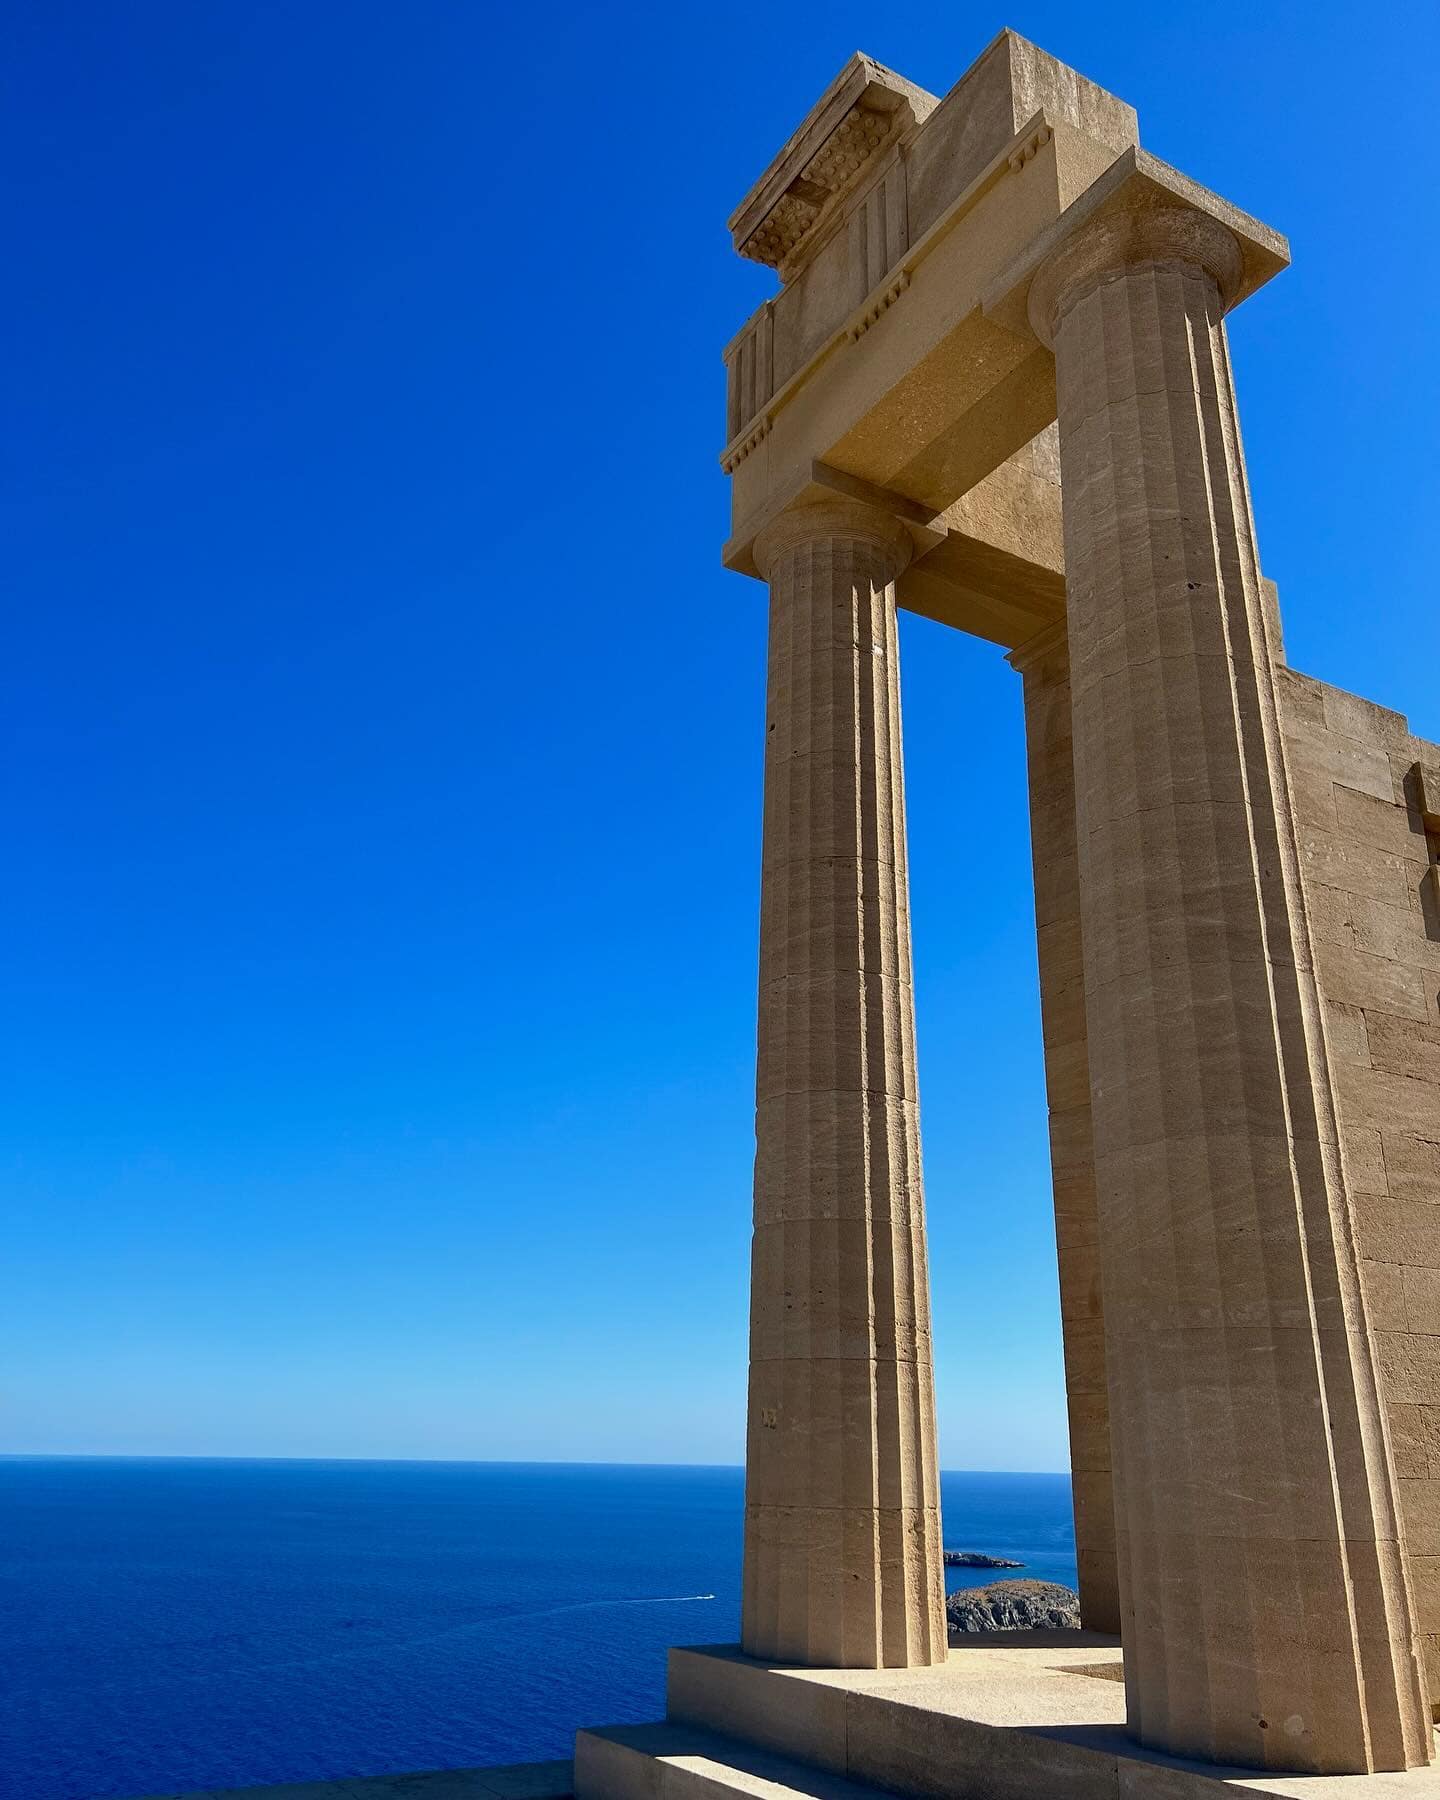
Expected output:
{"points": [[995, 388]]}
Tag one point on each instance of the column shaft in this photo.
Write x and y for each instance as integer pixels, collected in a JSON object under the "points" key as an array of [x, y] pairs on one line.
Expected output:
{"points": [[842, 1532], [1044, 664], [1264, 1605]]}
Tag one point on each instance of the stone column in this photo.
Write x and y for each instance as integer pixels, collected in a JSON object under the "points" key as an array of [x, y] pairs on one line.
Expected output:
{"points": [[842, 1522], [1264, 1605], [1044, 664]]}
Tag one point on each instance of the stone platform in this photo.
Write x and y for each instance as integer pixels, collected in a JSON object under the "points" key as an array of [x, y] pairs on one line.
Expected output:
{"points": [[1011, 1716]]}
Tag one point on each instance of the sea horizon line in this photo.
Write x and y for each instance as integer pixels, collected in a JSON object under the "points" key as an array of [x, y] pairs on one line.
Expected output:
{"points": [[494, 1462]]}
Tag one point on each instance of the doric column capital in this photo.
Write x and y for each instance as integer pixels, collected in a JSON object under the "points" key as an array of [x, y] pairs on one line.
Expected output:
{"points": [[1139, 212], [1124, 237], [845, 521]]}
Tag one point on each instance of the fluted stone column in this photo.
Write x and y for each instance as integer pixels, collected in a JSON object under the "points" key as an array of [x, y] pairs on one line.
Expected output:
{"points": [[1264, 1605], [842, 1529], [1044, 664]]}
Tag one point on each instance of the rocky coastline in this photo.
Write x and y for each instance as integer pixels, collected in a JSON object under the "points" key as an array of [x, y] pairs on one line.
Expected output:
{"points": [[1023, 1605]]}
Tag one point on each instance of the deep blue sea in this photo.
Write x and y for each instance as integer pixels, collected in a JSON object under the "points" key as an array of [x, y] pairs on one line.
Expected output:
{"points": [[168, 1625]]}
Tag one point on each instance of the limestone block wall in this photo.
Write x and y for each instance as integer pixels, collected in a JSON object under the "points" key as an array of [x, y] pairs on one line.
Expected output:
{"points": [[1370, 846]]}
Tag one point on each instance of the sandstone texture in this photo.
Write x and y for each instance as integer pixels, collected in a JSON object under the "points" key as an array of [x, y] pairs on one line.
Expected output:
{"points": [[1367, 806], [842, 1525], [1243, 1388]]}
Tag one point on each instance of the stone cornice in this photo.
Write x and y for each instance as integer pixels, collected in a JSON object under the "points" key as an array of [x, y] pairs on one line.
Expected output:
{"points": [[863, 111]]}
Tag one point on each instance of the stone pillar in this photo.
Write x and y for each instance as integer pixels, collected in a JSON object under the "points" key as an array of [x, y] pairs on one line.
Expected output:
{"points": [[842, 1520], [1044, 665], [1264, 1604]]}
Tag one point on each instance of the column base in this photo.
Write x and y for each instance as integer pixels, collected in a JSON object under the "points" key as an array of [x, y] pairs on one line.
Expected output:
{"points": [[1009, 1716]]}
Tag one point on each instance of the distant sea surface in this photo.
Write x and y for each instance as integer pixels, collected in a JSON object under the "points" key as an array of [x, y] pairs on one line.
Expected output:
{"points": [[171, 1624]]}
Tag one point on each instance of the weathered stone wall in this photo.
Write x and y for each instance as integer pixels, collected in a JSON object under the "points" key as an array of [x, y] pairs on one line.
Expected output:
{"points": [[1368, 866]]}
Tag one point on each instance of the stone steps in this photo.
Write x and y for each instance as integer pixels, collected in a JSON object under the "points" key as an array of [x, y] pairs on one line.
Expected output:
{"points": [[685, 1762]]}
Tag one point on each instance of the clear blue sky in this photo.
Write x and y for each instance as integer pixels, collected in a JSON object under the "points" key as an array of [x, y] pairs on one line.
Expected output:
{"points": [[381, 765]]}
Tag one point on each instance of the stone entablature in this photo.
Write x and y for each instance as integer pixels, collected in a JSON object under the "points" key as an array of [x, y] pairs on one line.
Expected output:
{"points": [[902, 207]]}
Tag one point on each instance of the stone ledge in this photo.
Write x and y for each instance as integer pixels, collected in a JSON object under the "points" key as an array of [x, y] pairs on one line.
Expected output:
{"points": [[679, 1762]]}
